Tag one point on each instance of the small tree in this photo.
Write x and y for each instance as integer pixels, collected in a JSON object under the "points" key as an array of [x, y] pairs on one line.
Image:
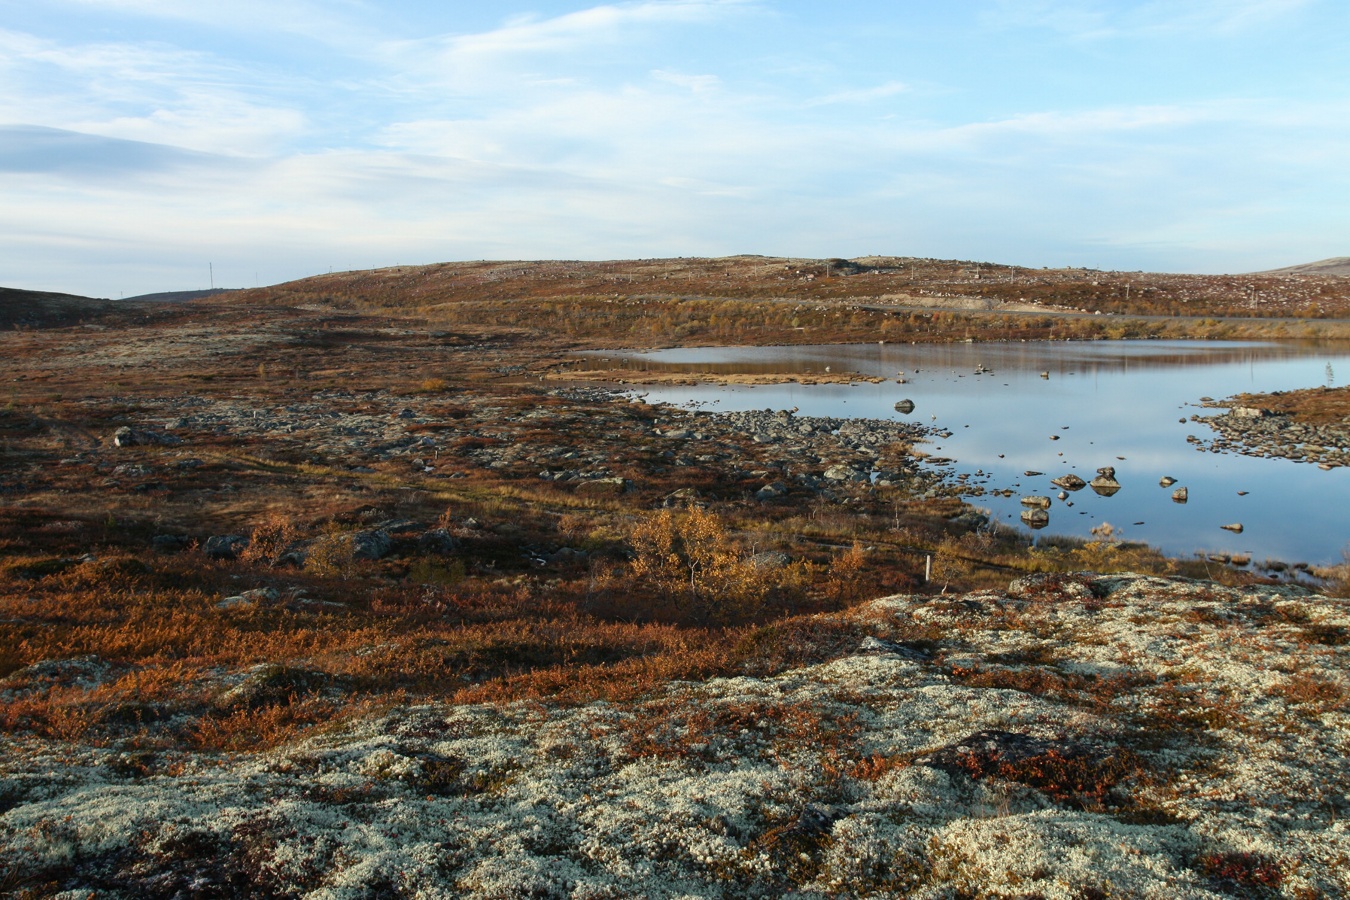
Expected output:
{"points": [[692, 557], [271, 539]]}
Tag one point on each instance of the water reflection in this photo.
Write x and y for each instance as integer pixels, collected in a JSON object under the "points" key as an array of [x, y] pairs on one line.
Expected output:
{"points": [[1059, 409], [1045, 357]]}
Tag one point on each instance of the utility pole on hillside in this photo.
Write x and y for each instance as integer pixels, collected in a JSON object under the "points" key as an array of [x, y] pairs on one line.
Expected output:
{"points": [[211, 267]]}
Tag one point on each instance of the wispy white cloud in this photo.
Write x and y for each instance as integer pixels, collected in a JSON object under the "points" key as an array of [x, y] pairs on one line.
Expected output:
{"points": [[1223, 16], [697, 83], [587, 27], [144, 92], [1098, 19], [862, 95], [340, 22], [50, 151], [527, 51]]}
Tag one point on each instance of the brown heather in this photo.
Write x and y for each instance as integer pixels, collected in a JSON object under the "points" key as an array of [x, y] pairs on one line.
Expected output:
{"points": [[145, 654]]}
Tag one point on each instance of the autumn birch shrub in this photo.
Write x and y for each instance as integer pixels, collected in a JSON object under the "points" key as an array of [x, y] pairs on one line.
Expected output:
{"points": [[332, 556], [271, 539], [690, 558]]}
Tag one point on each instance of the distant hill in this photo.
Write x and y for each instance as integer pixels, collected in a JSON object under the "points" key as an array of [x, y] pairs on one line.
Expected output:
{"points": [[43, 309], [177, 296], [1337, 265]]}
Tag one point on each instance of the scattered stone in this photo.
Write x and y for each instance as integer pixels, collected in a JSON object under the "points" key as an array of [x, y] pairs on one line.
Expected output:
{"points": [[127, 436], [770, 561], [224, 546], [1180, 495], [1105, 483], [844, 473], [1069, 482], [263, 596], [603, 487], [272, 685], [1036, 501], [904, 406], [1035, 518], [771, 491], [437, 541], [170, 543], [1236, 527], [1167, 481], [371, 545]]}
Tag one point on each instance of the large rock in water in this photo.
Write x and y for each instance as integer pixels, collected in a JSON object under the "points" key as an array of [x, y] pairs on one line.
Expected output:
{"points": [[1105, 483], [905, 406], [1036, 502], [1069, 482], [1035, 518]]}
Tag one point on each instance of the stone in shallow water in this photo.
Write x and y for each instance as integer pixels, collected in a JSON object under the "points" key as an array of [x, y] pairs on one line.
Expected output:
{"points": [[1035, 518]]}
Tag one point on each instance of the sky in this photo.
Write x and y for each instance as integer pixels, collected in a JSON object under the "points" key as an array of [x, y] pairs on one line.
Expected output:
{"points": [[154, 145]]}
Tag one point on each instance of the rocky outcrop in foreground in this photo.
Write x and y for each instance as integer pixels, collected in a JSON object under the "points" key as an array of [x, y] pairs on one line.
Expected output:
{"points": [[1072, 736]]}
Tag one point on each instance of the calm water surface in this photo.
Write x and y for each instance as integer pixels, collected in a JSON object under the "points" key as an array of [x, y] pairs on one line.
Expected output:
{"points": [[1116, 403]]}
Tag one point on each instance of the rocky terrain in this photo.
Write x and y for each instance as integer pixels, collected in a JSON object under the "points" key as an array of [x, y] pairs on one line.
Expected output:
{"points": [[1311, 426], [345, 588], [1069, 736], [1254, 431]]}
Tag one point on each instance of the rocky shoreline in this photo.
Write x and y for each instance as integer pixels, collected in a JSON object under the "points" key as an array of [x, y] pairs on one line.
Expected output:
{"points": [[1261, 432]]}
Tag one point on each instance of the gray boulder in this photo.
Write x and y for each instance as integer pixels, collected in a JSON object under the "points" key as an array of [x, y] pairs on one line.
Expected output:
{"points": [[127, 436], [437, 541], [224, 546], [771, 491], [371, 545], [1035, 518]]}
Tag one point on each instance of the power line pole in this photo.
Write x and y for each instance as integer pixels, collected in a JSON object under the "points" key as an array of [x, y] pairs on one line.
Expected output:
{"points": [[212, 269]]}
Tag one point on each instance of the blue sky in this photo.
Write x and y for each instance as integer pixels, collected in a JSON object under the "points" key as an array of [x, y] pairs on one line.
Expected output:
{"points": [[141, 140]]}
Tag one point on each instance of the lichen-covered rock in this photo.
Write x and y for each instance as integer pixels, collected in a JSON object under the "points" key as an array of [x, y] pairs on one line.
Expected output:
{"points": [[1133, 736], [224, 546], [371, 545]]}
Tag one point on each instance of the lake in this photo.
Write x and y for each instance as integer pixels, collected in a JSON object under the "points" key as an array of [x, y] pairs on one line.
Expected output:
{"points": [[1126, 404]]}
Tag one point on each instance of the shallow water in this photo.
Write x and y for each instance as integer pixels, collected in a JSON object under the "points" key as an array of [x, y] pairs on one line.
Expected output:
{"points": [[1106, 403]]}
